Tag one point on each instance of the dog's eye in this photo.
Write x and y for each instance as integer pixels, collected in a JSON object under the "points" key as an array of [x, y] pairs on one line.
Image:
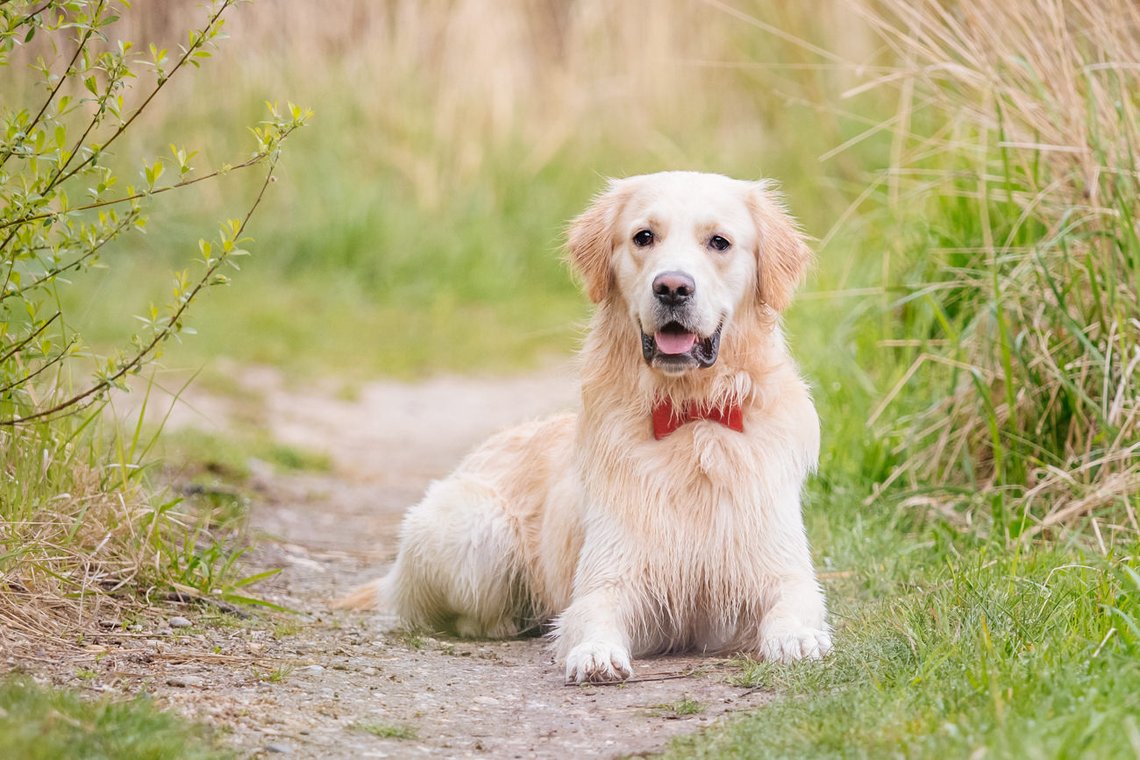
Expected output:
{"points": [[719, 243], [643, 238]]}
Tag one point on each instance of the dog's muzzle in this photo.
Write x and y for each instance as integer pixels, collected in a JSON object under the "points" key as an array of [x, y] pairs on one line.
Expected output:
{"points": [[676, 348], [675, 345]]}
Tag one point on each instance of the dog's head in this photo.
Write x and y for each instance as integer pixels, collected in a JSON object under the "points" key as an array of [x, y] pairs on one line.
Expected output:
{"points": [[683, 253]]}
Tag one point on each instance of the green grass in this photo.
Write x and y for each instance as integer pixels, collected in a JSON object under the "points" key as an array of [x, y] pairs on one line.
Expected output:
{"points": [[277, 675], [946, 652], [326, 323], [388, 730], [682, 708], [205, 458], [38, 723]]}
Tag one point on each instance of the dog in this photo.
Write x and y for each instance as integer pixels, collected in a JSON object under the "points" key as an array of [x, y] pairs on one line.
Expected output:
{"points": [[665, 515]]}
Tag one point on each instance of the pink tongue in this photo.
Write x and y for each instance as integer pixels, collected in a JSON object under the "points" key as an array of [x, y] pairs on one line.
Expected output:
{"points": [[675, 343]]}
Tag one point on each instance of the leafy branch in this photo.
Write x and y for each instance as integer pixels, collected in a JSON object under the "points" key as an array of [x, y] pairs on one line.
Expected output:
{"points": [[169, 325], [44, 235], [60, 80], [254, 160]]}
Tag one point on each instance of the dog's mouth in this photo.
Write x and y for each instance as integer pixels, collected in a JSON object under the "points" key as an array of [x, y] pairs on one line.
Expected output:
{"points": [[676, 347]]}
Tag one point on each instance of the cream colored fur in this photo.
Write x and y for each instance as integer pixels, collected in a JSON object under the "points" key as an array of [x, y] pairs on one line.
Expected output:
{"points": [[621, 544]]}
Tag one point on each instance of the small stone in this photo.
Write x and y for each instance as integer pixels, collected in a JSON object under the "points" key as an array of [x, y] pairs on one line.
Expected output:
{"points": [[311, 669], [278, 748], [179, 622], [370, 671], [185, 681]]}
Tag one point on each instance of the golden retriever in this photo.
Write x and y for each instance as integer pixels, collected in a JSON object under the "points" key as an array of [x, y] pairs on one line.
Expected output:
{"points": [[665, 515]]}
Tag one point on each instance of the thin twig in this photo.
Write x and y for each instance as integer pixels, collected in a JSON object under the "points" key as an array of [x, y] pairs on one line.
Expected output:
{"points": [[78, 262], [16, 348], [160, 336], [257, 158], [63, 354], [60, 176], [63, 77], [642, 679], [161, 83]]}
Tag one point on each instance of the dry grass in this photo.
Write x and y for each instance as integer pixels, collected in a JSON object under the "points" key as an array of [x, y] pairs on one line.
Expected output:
{"points": [[1030, 171], [68, 543], [1053, 80], [444, 87], [86, 544]]}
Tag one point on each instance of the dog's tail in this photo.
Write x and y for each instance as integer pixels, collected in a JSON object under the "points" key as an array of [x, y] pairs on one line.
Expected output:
{"points": [[371, 596]]}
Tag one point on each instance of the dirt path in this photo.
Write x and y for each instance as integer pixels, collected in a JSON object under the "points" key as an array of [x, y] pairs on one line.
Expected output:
{"points": [[341, 685]]}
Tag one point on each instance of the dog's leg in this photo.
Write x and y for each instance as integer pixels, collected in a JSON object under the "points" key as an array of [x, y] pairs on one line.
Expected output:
{"points": [[592, 637], [593, 633], [794, 623], [794, 626], [459, 562]]}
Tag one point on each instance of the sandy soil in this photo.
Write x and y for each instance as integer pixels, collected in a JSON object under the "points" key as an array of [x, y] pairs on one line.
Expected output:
{"points": [[335, 684]]}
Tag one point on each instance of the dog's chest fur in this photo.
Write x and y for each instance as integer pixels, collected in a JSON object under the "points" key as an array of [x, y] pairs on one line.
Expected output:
{"points": [[696, 520]]}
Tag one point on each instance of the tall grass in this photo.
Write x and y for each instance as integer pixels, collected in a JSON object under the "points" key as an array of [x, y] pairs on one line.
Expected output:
{"points": [[1017, 141], [67, 536]]}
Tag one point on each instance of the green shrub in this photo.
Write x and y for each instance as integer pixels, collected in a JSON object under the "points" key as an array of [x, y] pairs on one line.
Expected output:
{"points": [[77, 519], [66, 198]]}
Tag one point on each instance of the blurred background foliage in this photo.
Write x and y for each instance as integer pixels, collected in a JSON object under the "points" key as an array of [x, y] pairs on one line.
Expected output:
{"points": [[456, 138]]}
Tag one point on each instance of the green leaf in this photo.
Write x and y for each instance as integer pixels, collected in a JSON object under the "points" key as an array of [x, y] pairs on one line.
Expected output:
{"points": [[154, 172]]}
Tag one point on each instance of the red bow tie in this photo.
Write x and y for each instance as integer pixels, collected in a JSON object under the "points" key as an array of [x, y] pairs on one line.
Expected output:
{"points": [[667, 418]]}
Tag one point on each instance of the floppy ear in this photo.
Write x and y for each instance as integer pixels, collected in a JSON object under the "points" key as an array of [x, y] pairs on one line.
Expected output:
{"points": [[591, 239], [782, 255]]}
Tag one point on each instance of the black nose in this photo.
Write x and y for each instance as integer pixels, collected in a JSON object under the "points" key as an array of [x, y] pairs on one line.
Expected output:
{"points": [[673, 288]]}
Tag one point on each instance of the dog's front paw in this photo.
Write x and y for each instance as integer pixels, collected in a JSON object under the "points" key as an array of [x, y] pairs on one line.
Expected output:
{"points": [[598, 662], [788, 642]]}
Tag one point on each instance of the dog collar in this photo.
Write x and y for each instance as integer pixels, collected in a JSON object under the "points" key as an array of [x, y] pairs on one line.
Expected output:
{"points": [[667, 417]]}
